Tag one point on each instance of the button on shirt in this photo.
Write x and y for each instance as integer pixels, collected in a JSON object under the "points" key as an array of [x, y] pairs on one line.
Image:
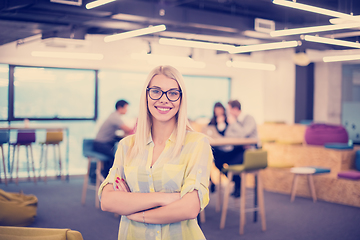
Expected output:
{"points": [[188, 171]]}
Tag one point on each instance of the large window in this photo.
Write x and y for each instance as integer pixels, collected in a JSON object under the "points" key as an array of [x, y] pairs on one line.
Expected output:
{"points": [[54, 93], [4, 90], [48, 96], [116, 85], [204, 92]]}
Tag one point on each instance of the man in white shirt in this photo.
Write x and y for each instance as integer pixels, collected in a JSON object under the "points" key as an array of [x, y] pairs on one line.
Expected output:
{"points": [[240, 125]]}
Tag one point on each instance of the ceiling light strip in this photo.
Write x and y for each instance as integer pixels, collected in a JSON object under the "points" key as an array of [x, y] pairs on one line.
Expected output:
{"points": [[166, 59], [331, 41], [265, 46], [71, 55], [251, 65], [341, 58], [227, 47], [343, 35], [135, 33], [323, 28], [97, 3], [344, 20], [309, 8], [196, 44]]}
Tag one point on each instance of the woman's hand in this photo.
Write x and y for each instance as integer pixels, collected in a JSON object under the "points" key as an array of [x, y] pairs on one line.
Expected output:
{"points": [[136, 217], [167, 199], [121, 185]]}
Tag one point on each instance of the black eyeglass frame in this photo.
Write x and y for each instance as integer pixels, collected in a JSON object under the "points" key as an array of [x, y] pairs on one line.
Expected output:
{"points": [[165, 92]]}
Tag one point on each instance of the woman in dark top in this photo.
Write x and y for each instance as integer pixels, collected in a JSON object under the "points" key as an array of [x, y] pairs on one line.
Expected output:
{"points": [[220, 123], [219, 118]]}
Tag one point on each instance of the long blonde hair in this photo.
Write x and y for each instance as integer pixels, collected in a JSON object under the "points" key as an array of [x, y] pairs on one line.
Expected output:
{"points": [[145, 121]]}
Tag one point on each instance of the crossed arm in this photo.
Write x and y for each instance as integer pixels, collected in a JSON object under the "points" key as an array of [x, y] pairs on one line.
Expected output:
{"points": [[158, 207]]}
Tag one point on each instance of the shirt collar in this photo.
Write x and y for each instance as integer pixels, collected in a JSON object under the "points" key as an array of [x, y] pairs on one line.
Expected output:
{"points": [[149, 139], [172, 138]]}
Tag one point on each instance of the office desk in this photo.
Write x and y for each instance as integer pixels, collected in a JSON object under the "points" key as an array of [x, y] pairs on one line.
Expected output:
{"points": [[46, 128], [216, 142]]}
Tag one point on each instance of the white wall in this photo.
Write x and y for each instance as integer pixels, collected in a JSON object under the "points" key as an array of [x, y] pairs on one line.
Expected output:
{"points": [[268, 96], [279, 96]]}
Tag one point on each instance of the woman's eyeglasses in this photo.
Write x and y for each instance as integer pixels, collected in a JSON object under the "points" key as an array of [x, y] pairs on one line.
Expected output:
{"points": [[155, 94]]}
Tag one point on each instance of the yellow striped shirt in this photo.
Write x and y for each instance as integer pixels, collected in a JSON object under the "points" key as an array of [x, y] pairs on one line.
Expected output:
{"points": [[188, 171]]}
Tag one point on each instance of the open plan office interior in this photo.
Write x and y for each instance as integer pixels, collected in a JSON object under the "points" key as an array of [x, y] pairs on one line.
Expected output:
{"points": [[65, 63]]}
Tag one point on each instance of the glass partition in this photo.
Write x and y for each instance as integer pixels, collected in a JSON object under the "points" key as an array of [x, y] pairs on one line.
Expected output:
{"points": [[350, 115]]}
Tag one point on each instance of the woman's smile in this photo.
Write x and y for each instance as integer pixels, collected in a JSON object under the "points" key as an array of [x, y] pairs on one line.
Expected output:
{"points": [[163, 110]]}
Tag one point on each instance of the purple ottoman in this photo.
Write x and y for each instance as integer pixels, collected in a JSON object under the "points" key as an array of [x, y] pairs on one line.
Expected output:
{"points": [[319, 134], [352, 174]]}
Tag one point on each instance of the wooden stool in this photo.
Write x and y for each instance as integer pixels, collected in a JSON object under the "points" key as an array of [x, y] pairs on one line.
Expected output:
{"points": [[254, 161], [53, 139], [24, 138]]}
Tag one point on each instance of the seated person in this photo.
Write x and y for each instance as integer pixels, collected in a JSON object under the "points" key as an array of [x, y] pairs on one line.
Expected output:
{"points": [[239, 127], [219, 118], [106, 137], [219, 121]]}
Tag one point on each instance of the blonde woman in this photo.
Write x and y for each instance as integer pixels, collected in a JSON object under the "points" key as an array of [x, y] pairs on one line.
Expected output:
{"points": [[159, 180]]}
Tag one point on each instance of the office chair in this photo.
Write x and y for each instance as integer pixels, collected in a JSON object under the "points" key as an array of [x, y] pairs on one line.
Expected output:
{"points": [[99, 158]]}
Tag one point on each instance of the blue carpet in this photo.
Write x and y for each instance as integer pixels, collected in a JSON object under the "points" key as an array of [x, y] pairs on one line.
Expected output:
{"points": [[60, 207]]}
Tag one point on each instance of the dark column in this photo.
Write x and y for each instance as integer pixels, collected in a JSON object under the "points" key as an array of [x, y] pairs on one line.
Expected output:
{"points": [[304, 92]]}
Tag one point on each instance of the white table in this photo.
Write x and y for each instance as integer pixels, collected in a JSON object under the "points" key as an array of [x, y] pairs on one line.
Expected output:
{"points": [[308, 171]]}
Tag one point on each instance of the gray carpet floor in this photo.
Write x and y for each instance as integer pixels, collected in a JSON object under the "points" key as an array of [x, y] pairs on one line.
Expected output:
{"points": [[60, 207]]}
